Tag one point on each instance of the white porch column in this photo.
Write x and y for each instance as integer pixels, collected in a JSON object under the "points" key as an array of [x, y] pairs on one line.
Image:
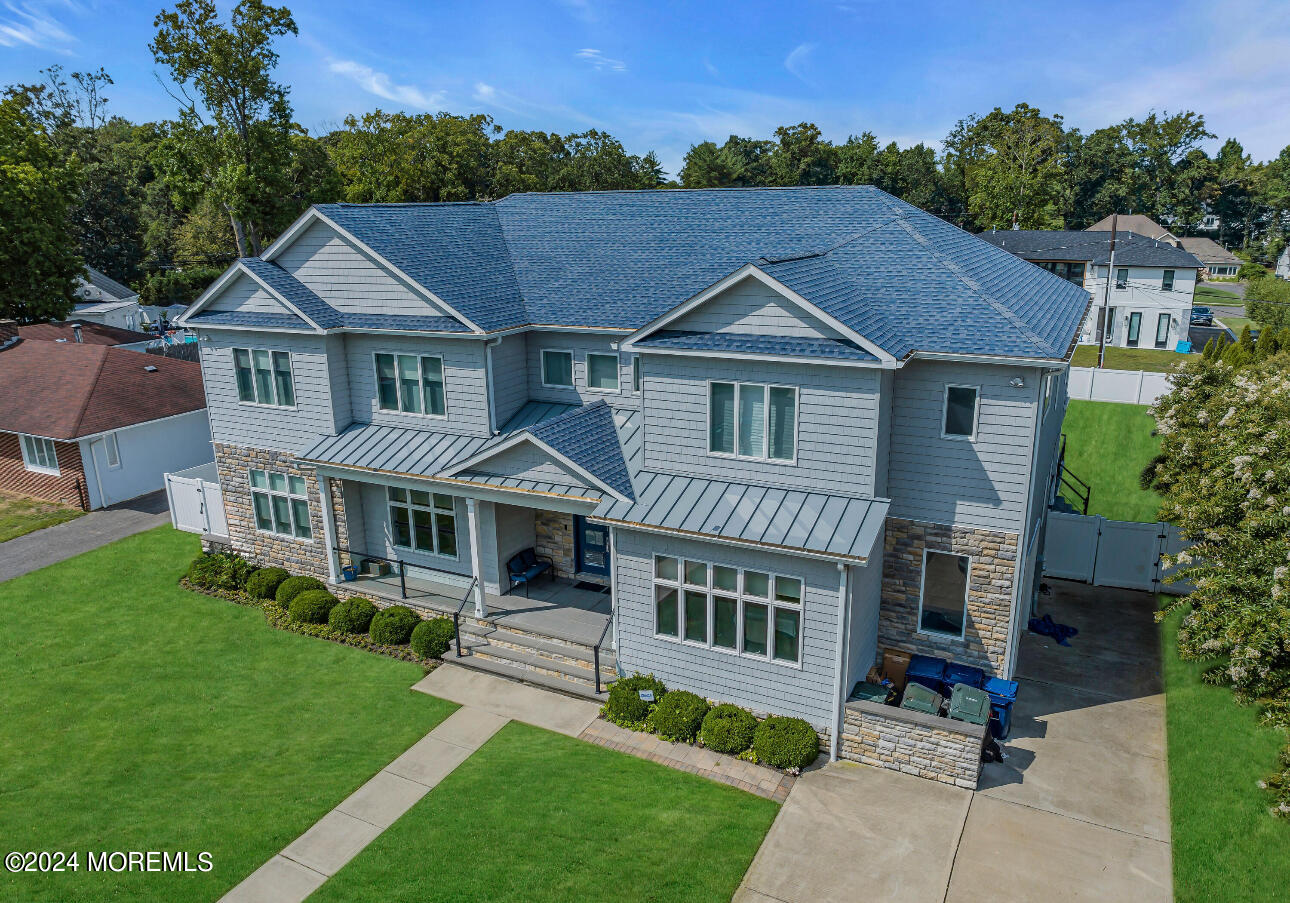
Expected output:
{"points": [[472, 515], [613, 589], [329, 529], [839, 663]]}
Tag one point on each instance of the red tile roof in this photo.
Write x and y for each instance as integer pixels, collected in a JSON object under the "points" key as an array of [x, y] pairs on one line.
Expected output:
{"points": [[91, 333], [64, 391]]}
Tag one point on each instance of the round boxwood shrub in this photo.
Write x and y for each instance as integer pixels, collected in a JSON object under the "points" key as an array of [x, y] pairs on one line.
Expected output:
{"points": [[431, 639], [625, 706], [393, 626], [264, 582], [785, 742], [312, 606], [352, 615], [678, 716], [728, 729], [293, 586]]}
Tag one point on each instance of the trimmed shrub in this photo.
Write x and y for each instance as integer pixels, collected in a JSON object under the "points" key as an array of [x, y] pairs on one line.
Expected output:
{"points": [[352, 615], [293, 586], [785, 742], [219, 571], [431, 639], [393, 626], [264, 583], [728, 729], [678, 716], [312, 606], [625, 707]]}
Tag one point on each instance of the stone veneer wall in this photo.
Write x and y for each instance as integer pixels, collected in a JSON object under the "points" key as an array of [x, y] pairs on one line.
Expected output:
{"points": [[299, 556], [990, 588], [927, 746], [554, 531]]}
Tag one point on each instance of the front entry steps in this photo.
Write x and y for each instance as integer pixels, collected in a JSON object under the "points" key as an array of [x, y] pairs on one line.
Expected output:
{"points": [[547, 662]]}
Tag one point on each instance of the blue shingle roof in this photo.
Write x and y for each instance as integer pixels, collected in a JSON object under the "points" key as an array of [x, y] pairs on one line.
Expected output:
{"points": [[587, 437], [301, 296], [248, 318], [1131, 249], [756, 344]]}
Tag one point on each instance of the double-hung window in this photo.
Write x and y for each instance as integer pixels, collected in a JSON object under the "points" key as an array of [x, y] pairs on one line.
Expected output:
{"points": [[751, 613], [264, 377], [410, 383], [557, 369], [752, 420], [942, 606], [1167, 281], [602, 372], [1121, 277], [39, 455], [111, 451], [281, 504], [960, 412], [423, 521]]}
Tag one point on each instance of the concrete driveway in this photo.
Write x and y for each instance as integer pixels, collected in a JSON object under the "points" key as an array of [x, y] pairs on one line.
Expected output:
{"points": [[1078, 811], [51, 545]]}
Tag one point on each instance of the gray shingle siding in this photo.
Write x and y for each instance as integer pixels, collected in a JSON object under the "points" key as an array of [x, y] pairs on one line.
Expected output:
{"points": [[530, 463], [836, 433], [246, 295], [751, 307], [580, 344], [953, 481], [510, 377]]}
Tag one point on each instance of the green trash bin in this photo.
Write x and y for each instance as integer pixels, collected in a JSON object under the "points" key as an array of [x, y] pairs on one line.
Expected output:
{"points": [[870, 692], [919, 698], [970, 704]]}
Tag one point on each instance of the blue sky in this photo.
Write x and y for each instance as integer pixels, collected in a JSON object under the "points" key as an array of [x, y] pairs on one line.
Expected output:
{"points": [[663, 75]]}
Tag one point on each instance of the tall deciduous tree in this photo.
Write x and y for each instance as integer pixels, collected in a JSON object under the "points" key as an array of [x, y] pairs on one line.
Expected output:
{"points": [[1013, 168], [233, 137], [39, 261]]}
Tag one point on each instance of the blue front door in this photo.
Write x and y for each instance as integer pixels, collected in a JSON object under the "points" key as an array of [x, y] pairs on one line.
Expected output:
{"points": [[590, 546]]}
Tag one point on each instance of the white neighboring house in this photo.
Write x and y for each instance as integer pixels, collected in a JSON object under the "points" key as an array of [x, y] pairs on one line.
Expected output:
{"points": [[106, 301], [1283, 264], [1151, 290]]}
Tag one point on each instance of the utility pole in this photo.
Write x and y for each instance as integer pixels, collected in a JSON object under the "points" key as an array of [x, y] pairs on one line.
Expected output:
{"points": [[1106, 298]]}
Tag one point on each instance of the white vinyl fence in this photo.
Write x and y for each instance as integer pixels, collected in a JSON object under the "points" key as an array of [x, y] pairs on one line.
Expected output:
{"points": [[1105, 552], [1127, 386], [196, 503]]}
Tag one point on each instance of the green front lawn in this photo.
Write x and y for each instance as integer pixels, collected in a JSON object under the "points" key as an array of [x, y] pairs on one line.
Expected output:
{"points": [[140, 716], [19, 515], [1236, 324], [1208, 295], [1225, 844], [1152, 359], [537, 817], [1107, 445]]}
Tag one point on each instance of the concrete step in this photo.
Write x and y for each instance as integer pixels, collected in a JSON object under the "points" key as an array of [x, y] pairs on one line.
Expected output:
{"points": [[527, 658], [573, 653], [519, 674]]}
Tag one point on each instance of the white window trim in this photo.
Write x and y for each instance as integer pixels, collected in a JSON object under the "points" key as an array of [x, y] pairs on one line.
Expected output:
{"points": [[111, 449], [740, 596], [33, 465], [421, 377], [1173, 280], [291, 511], [976, 412], [291, 361], [434, 530], [638, 377], [764, 457], [922, 587], [572, 384], [618, 372]]}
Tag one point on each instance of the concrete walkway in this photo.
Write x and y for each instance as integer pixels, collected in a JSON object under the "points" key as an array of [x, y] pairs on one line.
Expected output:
{"points": [[1078, 811], [51, 545]]}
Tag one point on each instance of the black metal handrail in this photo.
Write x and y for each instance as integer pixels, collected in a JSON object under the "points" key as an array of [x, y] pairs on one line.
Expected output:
{"points": [[1083, 492], [456, 615], [595, 652]]}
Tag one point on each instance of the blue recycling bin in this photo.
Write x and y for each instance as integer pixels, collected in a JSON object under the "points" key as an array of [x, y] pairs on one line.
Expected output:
{"points": [[926, 670], [962, 674], [1002, 693]]}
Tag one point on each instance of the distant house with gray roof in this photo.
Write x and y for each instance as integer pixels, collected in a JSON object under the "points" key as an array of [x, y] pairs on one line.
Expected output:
{"points": [[741, 439], [1219, 262], [104, 300]]}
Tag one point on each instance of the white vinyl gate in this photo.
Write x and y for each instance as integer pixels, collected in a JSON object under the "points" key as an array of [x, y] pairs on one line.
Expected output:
{"points": [[196, 503], [1105, 552]]}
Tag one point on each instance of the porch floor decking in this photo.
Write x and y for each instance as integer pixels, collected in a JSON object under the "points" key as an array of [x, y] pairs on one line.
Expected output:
{"points": [[555, 608]]}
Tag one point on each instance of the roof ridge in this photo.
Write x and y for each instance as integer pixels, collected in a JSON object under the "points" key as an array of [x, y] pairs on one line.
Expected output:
{"points": [[93, 387], [829, 249]]}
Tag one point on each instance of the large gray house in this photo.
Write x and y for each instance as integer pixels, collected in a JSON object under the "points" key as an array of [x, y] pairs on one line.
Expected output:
{"points": [[759, 434]]}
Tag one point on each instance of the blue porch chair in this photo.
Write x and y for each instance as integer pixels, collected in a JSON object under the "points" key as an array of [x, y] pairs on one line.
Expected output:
{"points": [[526, 566]]}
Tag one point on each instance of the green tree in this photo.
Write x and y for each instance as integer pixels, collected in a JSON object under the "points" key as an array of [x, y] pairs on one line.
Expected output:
{"points": [[802, 156], [1267, 301], [1161, 147], [739, 163], [233, 138], [857, 161], [39, 261], [1013, 168], [525, 161]]}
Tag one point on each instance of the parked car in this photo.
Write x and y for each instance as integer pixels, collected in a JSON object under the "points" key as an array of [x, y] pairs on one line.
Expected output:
{"points": [[1202, 316]]}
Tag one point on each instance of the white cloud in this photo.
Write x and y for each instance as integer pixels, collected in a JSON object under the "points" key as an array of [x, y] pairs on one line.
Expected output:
{"points": [[381, 85], [33, 24], [484, 93], [599, 61], [797, 58]]}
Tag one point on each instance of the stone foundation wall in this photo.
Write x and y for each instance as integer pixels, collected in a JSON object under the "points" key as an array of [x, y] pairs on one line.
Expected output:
{"points": [[989, 597], [927, 746], [299, 556], [555, 540]]}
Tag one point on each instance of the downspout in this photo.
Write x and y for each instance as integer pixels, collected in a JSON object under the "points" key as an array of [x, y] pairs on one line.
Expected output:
{"points": [[488, 379], [844, 626]]}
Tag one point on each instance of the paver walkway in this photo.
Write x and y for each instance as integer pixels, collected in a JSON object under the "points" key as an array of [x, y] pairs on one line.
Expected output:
{"points": [[51, 545]]}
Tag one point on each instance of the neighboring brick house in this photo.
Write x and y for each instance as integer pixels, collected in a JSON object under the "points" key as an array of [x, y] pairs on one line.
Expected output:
{"points": [[785, 427], [85, 332], [90, 425]]}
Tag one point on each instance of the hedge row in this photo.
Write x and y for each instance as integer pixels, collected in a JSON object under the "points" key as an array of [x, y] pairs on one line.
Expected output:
{"points": [[303, 604], [684, 717]]}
